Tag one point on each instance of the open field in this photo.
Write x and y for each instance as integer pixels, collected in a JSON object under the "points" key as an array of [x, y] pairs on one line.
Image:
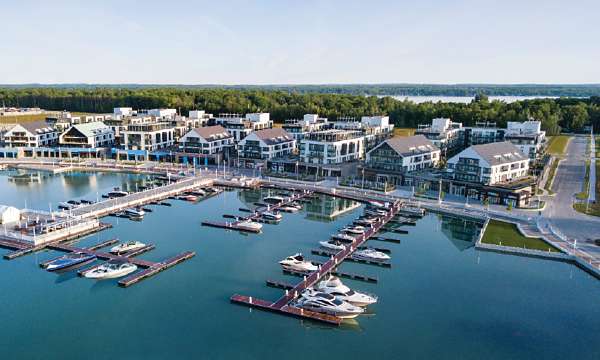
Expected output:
{"points": [[558, 144], [21, 118], [404, 131], [506, 234]]}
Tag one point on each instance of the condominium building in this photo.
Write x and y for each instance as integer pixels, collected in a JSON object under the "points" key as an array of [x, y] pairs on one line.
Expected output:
{"points": [[443, 133], [241, 126], [206, 140], [374, 129], [266, 144], [88, 135], [147, 135], [527, 136], [31, 134], [299, 128], [332, 146]]}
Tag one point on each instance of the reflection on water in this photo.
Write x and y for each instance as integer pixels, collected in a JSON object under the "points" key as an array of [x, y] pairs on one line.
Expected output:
{"points": [[462, 233]]}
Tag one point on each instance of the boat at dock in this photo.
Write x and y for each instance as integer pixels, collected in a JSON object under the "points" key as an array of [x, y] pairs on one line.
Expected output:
{"points": [[273, 199], [344, 237], [116, 193], [356, 230], [371, 255], [250, 225], [296, 262], [127, 247], [70, 261], [134, 212], [112, 269], [334, 286], [314, 300], [333, 245], [189, 197], [268, 215], [198, 193]]}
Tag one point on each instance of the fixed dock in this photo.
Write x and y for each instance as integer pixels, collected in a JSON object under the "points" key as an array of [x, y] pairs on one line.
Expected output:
{"points": [[156, 268]]}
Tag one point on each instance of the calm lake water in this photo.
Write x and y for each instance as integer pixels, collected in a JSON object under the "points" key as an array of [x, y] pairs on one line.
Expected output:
{"points": [[466, 99], [440, 300]]}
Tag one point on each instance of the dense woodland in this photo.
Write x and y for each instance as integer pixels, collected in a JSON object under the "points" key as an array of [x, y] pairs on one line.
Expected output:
{"points": [[555, 114]]}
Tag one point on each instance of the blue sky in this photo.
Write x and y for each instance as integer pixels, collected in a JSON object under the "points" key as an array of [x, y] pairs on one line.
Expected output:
{"points": [[300, 42]]}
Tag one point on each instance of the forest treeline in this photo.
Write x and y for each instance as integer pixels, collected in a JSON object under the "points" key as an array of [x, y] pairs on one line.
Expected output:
{"points": [[562, 114]]}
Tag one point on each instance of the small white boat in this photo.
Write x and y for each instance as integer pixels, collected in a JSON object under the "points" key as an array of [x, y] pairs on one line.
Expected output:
{"points": [[135, 212], [357, 230], [66, 206], [117, 193], [126, 247], [273, 199], [371, 254], [333, 245], [290, 209], [268, 215], [334, 286], [250, 225], [296, 262], [344, 237], [314, 300], [112, 269]]}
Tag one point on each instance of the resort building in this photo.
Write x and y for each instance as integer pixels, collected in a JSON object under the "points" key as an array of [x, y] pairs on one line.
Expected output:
{"points": [[332, 146], [210, 143], [299, 128], [482, 133], [239, 127], [389, 161], [375, 129], [159, 114], [527, 136], [31, 134], [88, 135], [147, 135], [443, 133], [265, 144]]}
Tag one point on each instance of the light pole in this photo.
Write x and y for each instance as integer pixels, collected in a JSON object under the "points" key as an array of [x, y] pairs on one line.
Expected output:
{"points": [[297, 174], [363, 179]]}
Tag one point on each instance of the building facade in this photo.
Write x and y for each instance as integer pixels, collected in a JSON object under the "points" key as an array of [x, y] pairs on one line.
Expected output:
{"points": [[240, 127], [265, 144], [88, 135], [31, 134], [149, 136], [332, 146]]}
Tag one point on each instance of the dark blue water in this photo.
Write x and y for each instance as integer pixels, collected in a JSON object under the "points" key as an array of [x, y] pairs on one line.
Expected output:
{"points": [[441, 299]]}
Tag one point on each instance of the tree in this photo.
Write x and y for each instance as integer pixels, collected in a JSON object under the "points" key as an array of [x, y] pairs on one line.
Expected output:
{"points": [[575, 116]]}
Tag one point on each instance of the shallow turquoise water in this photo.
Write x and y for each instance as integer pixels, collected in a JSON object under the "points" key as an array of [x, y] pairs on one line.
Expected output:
{"points": [[441, 299]]}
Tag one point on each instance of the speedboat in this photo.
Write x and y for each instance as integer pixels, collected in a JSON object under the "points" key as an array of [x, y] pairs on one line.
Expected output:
{"points": [[70, 261], [189, 197], [273, 199], [333, 245], [117, 193], [296, 262], [251, 225], [84, 201], [74, 202], [198, 192], [314, 300], [358, 230], [112, 269], [289, 208], [135, 212], [371, 254], [334, 286], [344, 237], [272, 216], [126, 247], [378, 204], [65, 206]]}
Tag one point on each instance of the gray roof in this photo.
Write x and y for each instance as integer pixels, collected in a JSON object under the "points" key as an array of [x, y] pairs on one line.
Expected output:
{"points": [[212, 132], [411, 145], [34, 126], [499, 152], [273, 136], [90, 129]]}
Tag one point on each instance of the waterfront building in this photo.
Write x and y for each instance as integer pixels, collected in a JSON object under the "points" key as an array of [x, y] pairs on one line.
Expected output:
{"points": [[161, 114], [527, 136], [482, 133], [147, 135], [88, 135], [389, 161], [9, 214], [265, 144], [210, 143], [332, 146], [299, 128], [443, 133], [375, 129], [31, 134], [241, 126]]}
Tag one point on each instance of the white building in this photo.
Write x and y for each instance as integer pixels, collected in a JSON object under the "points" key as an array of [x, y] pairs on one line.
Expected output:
{"points": [[375, 129], [239, 127], [88, 135], [206, 140], [164, 114], [527, 136], [403, 154], [9, 214], [489, 164], [332, 146], [266, 144], [147, 135], [443, 132], [122, 112], [31, 134], [299, 128]]}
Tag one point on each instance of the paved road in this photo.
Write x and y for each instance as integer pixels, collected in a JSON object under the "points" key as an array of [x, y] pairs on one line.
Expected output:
{"points": [[569, 181]]}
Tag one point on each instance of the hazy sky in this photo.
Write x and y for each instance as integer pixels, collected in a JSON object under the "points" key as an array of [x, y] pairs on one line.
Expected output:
{"points": [[305, 41]]}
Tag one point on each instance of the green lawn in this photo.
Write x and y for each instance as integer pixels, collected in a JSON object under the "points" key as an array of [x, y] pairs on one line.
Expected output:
{"points": [[19, 119], [558, 144], [507, 234], [592, 208], [404, 131], [552, 172], [583, 195]]}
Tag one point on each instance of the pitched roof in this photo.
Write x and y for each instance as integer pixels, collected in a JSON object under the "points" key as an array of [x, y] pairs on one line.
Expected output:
{"points": [[411, 145], [212, 132], [499, 152], [37, 127], [90, 129], [273, 136]]}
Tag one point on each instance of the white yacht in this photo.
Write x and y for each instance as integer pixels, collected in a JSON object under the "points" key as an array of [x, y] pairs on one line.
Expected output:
{"points": [[117, 193], [273, 199], [357, 230], [296, 262], [334, 286], [290, 208], [271, 215], [112, 269], [344, 237], [126, 247], [250, 225], [314, 300], [137, 213], [371, 254], [333, 245]]}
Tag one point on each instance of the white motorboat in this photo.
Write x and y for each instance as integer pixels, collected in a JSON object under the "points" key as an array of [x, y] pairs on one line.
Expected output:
{"points": [[268, 215], [66, 206], [250, 225], [112, 269], [126, 247], [371, 254], [314, 300], [344, 237], [332, 245], [117, 193], [296, 262], [357, 230], [289, 208], [273, 199], [135, 212], [334, 286]]}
